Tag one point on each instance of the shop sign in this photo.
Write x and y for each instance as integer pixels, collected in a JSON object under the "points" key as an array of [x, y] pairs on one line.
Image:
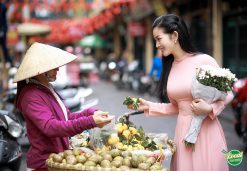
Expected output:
{"points": [[136, 29]]}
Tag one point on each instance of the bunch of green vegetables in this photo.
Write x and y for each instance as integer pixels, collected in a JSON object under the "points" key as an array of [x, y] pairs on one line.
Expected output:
{"points": [[131, 102]]}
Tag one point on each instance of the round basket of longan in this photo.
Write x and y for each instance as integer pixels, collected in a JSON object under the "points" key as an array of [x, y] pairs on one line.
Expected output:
{"points": [[109, 160]]}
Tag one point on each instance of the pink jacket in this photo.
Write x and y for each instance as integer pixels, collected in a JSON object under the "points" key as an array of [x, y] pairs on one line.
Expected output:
{"points": [[47, 129]]}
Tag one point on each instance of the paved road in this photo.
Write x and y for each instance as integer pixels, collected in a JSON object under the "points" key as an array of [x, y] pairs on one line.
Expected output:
{"points": [[110, 99]]}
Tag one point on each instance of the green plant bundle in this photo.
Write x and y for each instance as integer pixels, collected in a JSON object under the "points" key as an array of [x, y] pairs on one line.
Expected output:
{"points": [[131, 102]]}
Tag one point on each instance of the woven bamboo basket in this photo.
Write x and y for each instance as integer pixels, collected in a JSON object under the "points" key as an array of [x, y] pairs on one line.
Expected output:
{"points": [[52, 166]]}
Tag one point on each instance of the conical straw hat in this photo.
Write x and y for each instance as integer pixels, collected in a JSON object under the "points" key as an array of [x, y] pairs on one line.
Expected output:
{"points": [[41, 58]]}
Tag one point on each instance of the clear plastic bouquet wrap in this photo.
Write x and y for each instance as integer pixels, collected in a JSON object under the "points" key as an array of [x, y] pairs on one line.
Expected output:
{"points": [[210, 84]]}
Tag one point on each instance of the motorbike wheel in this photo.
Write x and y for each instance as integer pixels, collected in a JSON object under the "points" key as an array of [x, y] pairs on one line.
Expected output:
{"points": [[15, 165], [12, 166], [5, 168]]}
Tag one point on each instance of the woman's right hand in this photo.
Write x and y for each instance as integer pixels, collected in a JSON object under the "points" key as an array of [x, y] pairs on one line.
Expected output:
{"points": [[101, 118], [144, 105]]}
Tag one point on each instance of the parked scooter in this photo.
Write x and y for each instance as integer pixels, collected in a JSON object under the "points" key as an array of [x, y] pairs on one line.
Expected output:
{"points": [[76, 98], [10, 149], [130, 78], [239, 106], [7, 104]]}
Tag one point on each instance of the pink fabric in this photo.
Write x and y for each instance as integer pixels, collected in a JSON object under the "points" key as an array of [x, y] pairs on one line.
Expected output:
{"points": [[211, 141], [47, 129]]}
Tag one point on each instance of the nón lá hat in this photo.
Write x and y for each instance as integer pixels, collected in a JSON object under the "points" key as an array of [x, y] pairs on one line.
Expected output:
{"points": [[41, 58]]}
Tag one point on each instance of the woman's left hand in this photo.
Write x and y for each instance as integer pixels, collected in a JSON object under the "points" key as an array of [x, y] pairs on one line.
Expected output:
{"points": [[200, 107]]}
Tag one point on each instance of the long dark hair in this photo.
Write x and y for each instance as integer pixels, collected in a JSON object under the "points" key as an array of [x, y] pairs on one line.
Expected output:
{"points": [[170, 23], [20, 86]]}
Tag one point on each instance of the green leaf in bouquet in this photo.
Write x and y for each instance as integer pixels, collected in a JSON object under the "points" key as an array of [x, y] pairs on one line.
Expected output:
{"points": [[222, 82]]}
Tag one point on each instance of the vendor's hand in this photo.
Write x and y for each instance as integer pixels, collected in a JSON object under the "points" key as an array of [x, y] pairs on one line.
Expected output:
{"points": [[101, 118], [143, 105], [199, 106]]}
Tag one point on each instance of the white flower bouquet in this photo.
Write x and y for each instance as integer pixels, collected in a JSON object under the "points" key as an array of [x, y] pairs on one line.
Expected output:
{"points": [[210, 84]]}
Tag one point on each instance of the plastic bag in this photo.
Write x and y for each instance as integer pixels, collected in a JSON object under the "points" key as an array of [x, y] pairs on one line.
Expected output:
{"points": [[99, 136]]}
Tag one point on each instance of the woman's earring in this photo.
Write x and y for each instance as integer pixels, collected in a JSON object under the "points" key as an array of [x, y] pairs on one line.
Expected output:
{"points": [[175, 41]]}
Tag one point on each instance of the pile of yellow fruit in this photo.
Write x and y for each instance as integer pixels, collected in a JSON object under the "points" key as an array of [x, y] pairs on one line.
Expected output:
{"points": [[128, 138]]}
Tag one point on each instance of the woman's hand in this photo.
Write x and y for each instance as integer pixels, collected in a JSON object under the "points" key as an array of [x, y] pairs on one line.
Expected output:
{"points": [[101, 118], [199, 106], [143, 105]]}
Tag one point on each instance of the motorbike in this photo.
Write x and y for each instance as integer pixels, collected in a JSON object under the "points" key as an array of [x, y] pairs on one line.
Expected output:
{"points": [[76, 98], [128, 78], [10, 149], [7, 104], [239, 106]]}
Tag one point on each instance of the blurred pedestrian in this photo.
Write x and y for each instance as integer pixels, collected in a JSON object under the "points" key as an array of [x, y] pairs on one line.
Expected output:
{"points": [[122, 64], [156, 68], [3, 32], [49, 122], [180, 60], [155, 74]]}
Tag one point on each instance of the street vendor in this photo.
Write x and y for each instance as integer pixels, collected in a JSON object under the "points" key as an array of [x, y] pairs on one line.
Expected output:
{"points": [[49, 122]]}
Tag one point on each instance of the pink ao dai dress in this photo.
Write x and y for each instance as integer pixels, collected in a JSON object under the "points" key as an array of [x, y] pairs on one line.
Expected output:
{"points": [[207, 155]]}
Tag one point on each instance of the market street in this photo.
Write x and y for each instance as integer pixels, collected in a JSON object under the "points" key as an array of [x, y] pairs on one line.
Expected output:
{"points": [[111, 99]]}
